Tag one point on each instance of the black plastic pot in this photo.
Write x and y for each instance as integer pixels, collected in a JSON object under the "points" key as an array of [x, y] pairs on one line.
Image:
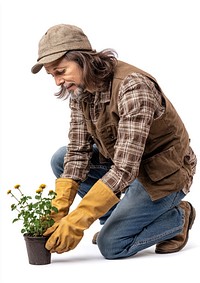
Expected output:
{"points": [[37, 253]]}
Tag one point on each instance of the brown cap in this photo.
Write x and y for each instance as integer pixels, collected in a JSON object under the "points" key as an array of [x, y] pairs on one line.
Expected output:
{"points": [[57, 41]]}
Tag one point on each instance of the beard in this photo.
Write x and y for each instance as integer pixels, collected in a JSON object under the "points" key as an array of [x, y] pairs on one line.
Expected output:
{"points": [[76, 94]]}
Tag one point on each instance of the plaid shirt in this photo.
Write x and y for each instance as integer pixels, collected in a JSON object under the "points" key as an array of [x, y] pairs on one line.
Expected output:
{"points": [[137, 109]]}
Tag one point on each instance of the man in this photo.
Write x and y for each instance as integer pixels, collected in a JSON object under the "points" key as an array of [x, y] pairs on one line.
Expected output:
{"points": [[125, 138]]}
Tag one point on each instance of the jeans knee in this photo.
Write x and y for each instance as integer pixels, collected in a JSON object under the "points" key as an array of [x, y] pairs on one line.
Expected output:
{"points": [[57, 160], [105, 247]]}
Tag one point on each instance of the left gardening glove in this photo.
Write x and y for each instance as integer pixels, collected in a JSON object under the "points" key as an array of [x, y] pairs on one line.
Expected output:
{"points": [[66, 190], [69, 232]]}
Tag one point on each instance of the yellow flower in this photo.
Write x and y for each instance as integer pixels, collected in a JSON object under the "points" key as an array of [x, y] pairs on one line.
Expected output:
{"points": [[9, 192], [42, 186], [17, 186], [38, 191]]}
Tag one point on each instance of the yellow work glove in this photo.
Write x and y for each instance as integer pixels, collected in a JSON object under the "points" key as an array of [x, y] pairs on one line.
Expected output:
{"points": [[69, 232], [66, 190]]}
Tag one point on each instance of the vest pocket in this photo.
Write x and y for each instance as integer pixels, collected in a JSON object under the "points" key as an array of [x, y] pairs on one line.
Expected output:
{"points": [[162, 164]]}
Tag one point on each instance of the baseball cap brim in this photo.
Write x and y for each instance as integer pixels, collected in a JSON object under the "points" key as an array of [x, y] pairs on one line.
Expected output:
{"points": [[47, 59]]}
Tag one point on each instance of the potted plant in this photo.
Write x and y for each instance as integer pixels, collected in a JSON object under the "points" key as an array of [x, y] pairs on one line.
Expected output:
{"points": [[36, 218]]}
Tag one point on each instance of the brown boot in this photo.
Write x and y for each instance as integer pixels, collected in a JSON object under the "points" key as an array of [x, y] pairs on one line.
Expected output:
{"points": [[179, 241], [94, 239]]}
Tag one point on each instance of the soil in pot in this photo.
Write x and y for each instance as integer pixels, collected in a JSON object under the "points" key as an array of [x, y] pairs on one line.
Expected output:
{"points": [[37, 253]]}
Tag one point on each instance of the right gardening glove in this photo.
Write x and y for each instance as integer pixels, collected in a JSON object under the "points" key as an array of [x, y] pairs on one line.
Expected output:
{"points": [[66, 190], [70, 228]]}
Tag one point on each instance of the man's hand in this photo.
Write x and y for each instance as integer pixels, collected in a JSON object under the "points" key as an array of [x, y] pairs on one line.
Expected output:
{"points": [[66, 190], [66, 235], [70, 229]]}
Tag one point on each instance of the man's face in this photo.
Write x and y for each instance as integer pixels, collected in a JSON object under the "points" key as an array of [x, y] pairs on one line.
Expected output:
{"points": [[67, 74]]}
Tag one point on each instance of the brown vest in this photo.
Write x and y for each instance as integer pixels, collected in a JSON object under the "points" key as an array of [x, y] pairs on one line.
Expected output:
{"points": [[162, 169]]}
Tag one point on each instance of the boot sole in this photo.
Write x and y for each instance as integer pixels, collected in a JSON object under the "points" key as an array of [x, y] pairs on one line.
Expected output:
{"points": [[191, 222]]}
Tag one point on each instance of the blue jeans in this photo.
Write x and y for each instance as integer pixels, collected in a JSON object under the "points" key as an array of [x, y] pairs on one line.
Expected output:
{"points": [[136, 222]]}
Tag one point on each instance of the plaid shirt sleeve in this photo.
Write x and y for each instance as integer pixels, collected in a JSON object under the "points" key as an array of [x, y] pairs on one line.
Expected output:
{"points": [[76, 162], [139, 103]]}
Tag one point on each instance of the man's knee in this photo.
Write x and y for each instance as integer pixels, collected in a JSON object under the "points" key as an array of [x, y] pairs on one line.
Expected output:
{"points": [[57, 160]]}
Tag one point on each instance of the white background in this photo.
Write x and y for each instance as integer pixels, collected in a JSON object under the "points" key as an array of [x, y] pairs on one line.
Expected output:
{"points": [[159, 36]]}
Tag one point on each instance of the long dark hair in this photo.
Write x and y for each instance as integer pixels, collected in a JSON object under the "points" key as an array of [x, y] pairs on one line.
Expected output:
{"points": [[98, 68]]}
